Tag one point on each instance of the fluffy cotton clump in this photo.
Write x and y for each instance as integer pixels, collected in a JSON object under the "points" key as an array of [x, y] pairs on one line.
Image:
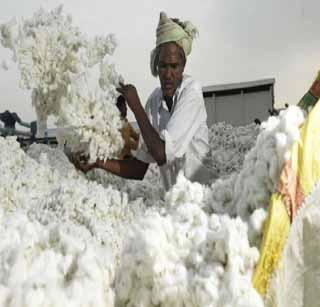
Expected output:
{"points": [[55, 60], [48, 266], [92, 123], [185, 257]]}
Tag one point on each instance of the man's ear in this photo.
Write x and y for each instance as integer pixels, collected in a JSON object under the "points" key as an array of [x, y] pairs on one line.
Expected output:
{"points": [[183, 66]]}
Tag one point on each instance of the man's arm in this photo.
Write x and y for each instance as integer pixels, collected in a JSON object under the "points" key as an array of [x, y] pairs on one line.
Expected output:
{"points": [[155, 144], [130, 169]]}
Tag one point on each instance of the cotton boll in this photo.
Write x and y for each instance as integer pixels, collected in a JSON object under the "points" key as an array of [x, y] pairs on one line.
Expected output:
{"points": [[185, 191]]}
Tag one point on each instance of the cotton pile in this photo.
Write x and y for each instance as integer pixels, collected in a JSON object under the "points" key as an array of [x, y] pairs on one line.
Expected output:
{"points": [[48, 189], [228, 147], [246, 194], [200, 250], [195, 246], [55, 60], [51, 266], [150, 190], [184, 257]]}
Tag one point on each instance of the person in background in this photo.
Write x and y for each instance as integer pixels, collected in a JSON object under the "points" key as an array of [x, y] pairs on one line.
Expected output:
{"points": [[173, 127], [9, 119], [129, 135]]}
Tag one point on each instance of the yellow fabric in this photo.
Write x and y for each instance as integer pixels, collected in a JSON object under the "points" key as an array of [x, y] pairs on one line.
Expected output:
{"points": [[304, 166], [275, 232], [307, 158]]}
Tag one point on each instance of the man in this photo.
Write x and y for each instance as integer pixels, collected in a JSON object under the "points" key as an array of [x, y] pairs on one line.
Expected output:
{"points": [[129, 135], [9, 119], [173, 125]]}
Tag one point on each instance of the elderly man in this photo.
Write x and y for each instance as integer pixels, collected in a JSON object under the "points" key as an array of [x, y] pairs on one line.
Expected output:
{"points": [[173, 124]]}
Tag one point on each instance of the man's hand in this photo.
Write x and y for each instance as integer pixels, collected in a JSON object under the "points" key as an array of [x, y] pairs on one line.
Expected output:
{"points": [[81, 164], [130, 94]]}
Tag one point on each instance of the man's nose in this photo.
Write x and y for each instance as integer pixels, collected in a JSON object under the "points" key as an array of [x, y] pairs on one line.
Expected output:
{"points": [[168, 73]]}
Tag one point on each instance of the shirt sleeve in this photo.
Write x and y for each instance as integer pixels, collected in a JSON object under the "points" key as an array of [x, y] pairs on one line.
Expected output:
{"points": [[188, 115], [142, 152]]}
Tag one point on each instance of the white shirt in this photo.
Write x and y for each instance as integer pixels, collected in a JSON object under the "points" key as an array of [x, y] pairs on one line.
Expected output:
{"points": [[183, 129]]}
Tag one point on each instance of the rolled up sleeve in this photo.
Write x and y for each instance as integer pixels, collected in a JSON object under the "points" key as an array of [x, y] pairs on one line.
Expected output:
{"points": [[142, 152]]}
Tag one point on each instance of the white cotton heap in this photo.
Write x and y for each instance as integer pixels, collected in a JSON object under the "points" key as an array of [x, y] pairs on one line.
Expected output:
{"points": [[49, 190], [150, 190], [185, 257], [228, 147], [52, 158], [46, 266], [250, 189], [55, 61], [187, 248]]}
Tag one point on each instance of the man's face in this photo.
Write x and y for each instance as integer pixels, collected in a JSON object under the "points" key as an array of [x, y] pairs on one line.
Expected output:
{"points": [[170, 68]]}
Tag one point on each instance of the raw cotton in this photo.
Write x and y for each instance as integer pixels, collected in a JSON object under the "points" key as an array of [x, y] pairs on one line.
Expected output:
{"points": [[228, 147], [55, 60], [51, 266], [150, 190], [184, 257], [48, 189], [249, 190], [188, 248]]}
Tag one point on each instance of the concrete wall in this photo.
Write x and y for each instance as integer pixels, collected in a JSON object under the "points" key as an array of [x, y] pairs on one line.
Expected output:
{"points": [[239, 106]]}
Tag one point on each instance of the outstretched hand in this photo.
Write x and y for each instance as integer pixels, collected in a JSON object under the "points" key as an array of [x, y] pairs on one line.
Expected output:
{"points": [[130, 94], [80, 163]]}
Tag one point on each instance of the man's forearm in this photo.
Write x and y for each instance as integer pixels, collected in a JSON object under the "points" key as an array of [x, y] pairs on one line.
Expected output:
{"points": [[155, 144], [130, 169]]}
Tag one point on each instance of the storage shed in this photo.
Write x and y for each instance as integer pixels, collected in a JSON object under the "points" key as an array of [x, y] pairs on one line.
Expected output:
{"points": [[239, 103]]}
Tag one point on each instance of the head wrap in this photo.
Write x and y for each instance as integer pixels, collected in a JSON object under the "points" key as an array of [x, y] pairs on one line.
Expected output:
{"points": [[172, 30]]}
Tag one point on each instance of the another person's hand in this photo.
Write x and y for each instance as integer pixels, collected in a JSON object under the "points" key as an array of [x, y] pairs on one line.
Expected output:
{"points": [[81, 164], [130, 94]]}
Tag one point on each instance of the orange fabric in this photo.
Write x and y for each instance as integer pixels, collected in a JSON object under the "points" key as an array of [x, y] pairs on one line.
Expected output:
{"points": [[131, 141], [289, 187]]}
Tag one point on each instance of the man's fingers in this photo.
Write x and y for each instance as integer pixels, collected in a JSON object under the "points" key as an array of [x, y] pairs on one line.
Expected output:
{"points": [[120, 90], [121, 87]]}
